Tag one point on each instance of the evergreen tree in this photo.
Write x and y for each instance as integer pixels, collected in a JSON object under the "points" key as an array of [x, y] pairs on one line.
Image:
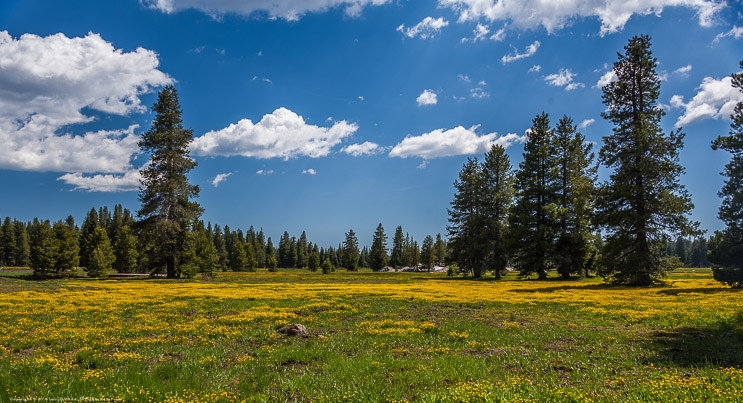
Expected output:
{"points": [[21, 253], [237, 258], [313, 262], [273, 264], [270, 252], [643, 199], [220, 246], [439, 250], [42, 248], [101, 256], [398, 241], [351, 251], [467, 234], [427, 258], [682, 251], [575, 175], [497, 197], [726, 246], [327, 267], [699, 253], [285, 250], [7, 243], [378, 254], [302, 251], [65, 248], [86, 232], [167, 208], [250, 261], [125, 250], [532, 224], [260, 249], [364, 257]]}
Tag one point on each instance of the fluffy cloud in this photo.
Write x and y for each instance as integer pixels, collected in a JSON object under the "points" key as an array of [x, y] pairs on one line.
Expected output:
{"points": [[264, 172], [365, 148], [535, 69], [606, 78], [684, 71], [563, 78], [291, 10], [554, 15], [220, 178], [129, 181], [309, 171], [427, 28], [736, 32], [456, 141], [427, 97], [480, 32], [716, 99], [49, 83], [586, 123], [280, 134], [528, 52]]}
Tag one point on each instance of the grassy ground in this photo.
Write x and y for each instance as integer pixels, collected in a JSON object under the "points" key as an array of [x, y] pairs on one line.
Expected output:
{"points": [[374, 337]]}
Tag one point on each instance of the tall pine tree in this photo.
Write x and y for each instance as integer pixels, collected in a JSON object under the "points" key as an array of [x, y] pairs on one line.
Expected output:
{"points": [[532, 223], [378, 254], [498, 191], [726, 247], [167, 209], [643, 199]]}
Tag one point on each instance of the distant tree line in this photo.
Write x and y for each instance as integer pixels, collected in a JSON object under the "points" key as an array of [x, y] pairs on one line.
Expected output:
{"points": [[114, 242]]}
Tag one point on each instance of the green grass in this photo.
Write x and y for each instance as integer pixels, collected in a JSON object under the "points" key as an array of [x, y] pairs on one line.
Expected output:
{"points": [[110, 338]]}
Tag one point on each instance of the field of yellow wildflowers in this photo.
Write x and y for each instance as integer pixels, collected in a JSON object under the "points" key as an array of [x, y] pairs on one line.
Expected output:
{"points": [[373, 337]]}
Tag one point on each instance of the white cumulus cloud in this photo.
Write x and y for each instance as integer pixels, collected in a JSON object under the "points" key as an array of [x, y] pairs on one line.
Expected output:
{"points": [[49, 84], [280, 134], [264, 172], [606, 79], [220, 178], [554, 15], [456, 141], [684, 71], [365, 148], [535, 68], [528, 52], [715, 99], [128, 181], [427, 28], [427, 97], [290, 10], [563, 78], [479, 93], [309, 171], [586, 123]]}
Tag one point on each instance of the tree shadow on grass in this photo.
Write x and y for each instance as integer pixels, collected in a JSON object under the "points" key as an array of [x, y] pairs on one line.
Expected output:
{"points": [[678, 291], [721, 344]]}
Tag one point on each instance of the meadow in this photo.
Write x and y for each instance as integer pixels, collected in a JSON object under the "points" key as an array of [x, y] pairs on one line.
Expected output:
{"points": [[373, 337]]}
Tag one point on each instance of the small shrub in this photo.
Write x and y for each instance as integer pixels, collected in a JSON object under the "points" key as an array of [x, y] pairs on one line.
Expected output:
{"points": [[327, 267], [453, 271]]}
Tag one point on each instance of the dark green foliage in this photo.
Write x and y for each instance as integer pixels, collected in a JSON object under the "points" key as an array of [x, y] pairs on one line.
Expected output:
{"points": [[467, 232], [643, 200], [726, 247], [273, 264], [7, 243], [327, 267], [42, 246], [427, 258], [575, 175], [90, 223], [313, 263], [66, 249], [378, 253], [237, 254], [21, 253], [101, 256], [125, 250], [251, 264], [200, 255], [496, 200], [167, 209], [398, 245], [532, 220], [351, 251], [439, 250]]}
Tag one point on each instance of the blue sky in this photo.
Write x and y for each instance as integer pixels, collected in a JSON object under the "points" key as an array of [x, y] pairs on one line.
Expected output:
{"points": [[325, 115]]}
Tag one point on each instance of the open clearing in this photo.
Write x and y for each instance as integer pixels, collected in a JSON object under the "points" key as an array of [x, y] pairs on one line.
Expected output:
{"points": [[373, 337]]}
